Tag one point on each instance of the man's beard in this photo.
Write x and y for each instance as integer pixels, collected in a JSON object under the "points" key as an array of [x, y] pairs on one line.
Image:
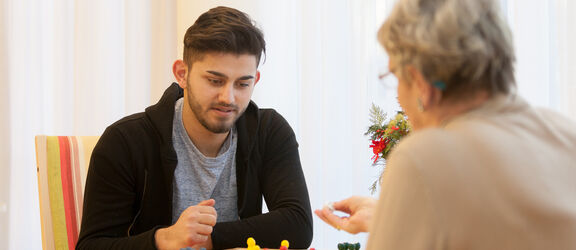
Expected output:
{"points": [[218, 127]]}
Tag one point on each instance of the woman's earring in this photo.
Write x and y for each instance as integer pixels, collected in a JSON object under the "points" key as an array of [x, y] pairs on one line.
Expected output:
{"points": [[420, 105]]}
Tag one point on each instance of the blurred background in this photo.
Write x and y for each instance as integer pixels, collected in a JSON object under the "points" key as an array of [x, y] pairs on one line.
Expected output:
{"points": [[72, 67]]}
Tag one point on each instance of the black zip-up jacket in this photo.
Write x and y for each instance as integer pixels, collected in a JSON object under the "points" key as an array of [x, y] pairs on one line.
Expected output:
{"points": [[128, 193]]}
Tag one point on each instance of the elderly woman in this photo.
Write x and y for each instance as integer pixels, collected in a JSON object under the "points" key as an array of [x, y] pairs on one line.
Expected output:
{"points": [[483, 169]]}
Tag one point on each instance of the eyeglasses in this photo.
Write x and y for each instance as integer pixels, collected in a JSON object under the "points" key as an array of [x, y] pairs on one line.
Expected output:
{"points": [[382, 76], [392, 83], [387, 81]]}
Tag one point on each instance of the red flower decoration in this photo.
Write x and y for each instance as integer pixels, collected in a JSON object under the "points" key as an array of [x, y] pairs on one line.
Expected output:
{"points": [[378, 146]]}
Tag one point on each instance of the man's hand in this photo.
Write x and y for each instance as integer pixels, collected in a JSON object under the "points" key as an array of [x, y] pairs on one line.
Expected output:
{"points": [[360, 210], [193, 228]]}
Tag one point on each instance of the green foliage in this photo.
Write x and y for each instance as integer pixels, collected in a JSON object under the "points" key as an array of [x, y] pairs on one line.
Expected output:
{"points": [[384, 135]]}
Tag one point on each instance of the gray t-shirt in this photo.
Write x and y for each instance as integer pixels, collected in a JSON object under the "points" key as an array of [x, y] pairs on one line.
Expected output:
{"points": [[199, 178]]}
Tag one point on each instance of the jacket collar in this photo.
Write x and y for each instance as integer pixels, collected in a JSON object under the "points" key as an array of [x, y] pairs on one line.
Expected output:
{"points": [[161, 114], [247, 126]]}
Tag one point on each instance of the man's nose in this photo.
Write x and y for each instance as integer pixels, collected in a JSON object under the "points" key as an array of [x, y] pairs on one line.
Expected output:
{"points": [[226, 94]]}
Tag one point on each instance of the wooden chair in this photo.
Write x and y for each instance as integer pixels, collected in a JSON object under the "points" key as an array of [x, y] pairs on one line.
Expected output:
{"points": [[62, 164]]}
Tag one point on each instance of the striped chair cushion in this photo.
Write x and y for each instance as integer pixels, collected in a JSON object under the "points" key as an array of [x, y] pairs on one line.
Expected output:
{"points": [[62, 163]]}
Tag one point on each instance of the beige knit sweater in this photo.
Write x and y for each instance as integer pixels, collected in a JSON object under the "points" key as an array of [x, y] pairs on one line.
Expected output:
{"points": [[500, 177]]}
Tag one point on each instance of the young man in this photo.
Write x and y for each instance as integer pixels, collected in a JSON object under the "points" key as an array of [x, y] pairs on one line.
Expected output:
{"points": [[192, 169]]}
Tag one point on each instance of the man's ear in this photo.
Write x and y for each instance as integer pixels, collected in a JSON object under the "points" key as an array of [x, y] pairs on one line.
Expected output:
{"points": [[257, 77], [180, 70]]}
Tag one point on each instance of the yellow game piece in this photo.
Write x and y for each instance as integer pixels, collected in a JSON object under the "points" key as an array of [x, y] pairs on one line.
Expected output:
{"points": [[251, 243], [285, 243]]}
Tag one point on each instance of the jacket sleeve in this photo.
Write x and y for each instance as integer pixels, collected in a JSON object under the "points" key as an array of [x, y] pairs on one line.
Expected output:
{"points": [[110, 199], [284, 189]]}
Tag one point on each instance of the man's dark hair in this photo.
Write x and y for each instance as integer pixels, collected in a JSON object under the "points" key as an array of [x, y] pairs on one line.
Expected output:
{"points": [[223, 29]]}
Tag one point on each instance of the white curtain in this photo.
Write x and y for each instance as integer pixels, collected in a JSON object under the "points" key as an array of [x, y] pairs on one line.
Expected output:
{"points": [[74, 67], [544, 38]]}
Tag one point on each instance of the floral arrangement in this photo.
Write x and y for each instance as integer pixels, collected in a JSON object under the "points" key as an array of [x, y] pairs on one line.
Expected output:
{"points": [[384, 135]]}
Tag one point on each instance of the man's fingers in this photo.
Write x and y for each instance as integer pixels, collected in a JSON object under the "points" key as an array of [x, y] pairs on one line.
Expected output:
{"points": [[205, 210], [198, 238], [207, 219], [209, 202], [204, 230], [200, 209]]}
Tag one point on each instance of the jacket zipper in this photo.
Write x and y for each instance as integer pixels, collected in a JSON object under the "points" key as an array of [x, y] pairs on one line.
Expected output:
{"points": [[141, 203]]}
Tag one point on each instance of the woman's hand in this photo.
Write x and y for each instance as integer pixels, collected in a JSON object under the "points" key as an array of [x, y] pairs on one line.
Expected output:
{"points": [[360, 210]]}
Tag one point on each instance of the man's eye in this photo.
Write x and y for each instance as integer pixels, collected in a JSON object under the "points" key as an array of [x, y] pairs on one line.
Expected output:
{"points": [[214, 81], [243, 84]]}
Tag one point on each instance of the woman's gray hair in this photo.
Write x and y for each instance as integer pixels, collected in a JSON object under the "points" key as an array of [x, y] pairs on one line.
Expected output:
{"points": [[464, 44]]}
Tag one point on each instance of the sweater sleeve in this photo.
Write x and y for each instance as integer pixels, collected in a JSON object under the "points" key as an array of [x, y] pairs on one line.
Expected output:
{"points": [[284, 189], [405, 217], [110, 199]]}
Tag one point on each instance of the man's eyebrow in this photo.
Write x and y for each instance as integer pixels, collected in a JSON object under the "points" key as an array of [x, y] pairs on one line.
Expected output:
{"points": [[216, 73], [247, 77]]}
